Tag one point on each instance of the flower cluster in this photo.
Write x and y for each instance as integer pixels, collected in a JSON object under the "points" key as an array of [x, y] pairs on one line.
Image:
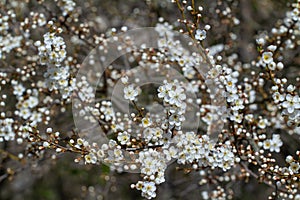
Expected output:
{"points": [[201, 153], [294, 166], [52, 50], [67, 6], [273, 144], [7, 132], [173, 95], [189, 105], [8, 41], [153, 165]]}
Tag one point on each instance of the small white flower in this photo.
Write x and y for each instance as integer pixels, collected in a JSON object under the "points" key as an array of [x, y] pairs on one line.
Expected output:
{"points": [[177, 96], [130, 92], [149, 189], [267, 144], [112, 143], [278, 97], [291, 88], [238, 105], [90, 158], [260, 41], [18, 90], [146, 122], [272, 48], [267, 57], [118, 154], [294, 167], [32, 101], [124, 80], [272, 65], [291, 103], [230, 83], [262, 123], [276, 143], [249, 117], [176, 119], [232, 95], [100, 153], [236, 117], [35, 117], [148, 134], [123, 138], [215, 71], [158, 133], [163, 91], [200, 35], [208, 118], [25, 113], [171, 153]]}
